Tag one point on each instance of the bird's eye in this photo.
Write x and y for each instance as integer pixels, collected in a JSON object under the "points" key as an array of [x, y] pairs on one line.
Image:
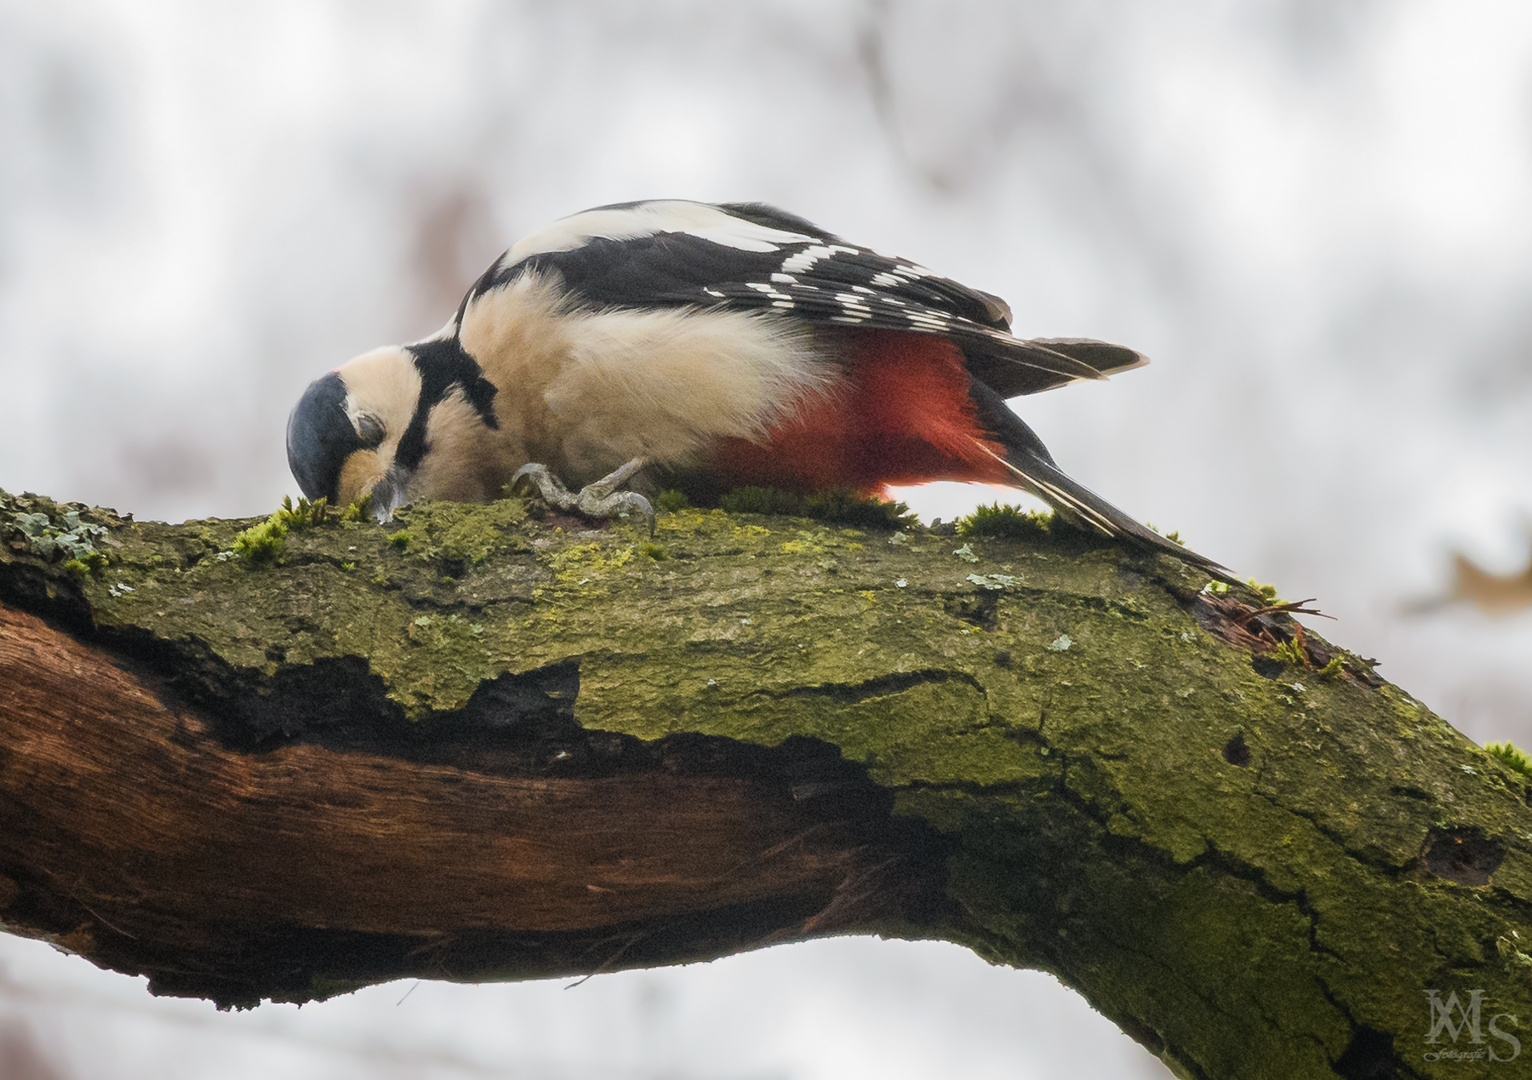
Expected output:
{"points": [[370, 430]]}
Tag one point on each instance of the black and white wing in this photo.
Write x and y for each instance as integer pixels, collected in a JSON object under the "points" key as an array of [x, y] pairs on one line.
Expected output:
{"points": [[754, 257]]}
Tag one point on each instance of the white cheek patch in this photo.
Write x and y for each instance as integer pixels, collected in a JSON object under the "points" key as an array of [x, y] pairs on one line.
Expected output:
{"points": [[385, 385]]}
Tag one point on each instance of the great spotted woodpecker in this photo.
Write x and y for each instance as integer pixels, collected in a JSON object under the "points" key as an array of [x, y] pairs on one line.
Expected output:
{"points": [[732, 344]]}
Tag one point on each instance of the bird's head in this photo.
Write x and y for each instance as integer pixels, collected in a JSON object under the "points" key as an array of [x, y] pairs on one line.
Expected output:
{"points": [[343, 436]]}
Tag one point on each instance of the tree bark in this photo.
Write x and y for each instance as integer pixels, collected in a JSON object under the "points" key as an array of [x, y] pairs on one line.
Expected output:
{"points": [[474, 745]]}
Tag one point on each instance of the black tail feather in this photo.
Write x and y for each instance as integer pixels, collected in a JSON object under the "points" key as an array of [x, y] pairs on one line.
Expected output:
{"points": [[1014, 367], [1085, 508], [1036, 472]]}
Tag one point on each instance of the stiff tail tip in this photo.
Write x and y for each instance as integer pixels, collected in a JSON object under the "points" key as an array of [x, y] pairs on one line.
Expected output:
{"points": [[1083, 507]]}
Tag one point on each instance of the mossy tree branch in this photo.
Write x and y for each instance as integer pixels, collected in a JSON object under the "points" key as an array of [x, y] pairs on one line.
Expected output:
{"points": [[473, 745]]}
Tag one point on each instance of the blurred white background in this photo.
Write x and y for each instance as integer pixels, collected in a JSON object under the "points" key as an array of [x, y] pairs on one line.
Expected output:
{"points": [[1313, 214]]}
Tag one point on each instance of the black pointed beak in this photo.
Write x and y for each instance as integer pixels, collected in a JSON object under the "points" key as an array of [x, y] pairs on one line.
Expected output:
{"points": [[320, 436]]}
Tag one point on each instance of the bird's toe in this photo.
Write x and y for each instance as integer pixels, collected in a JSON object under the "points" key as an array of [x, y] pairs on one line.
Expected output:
{"points": [[602, 504], [535, 477]]}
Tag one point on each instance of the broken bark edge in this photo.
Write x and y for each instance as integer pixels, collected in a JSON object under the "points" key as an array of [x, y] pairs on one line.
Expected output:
{"points": [[1254, 859], [211, 868]]}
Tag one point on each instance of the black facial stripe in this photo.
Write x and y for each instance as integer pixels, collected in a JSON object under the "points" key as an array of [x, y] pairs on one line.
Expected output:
{"points": [[320, 437], [443, 365]]}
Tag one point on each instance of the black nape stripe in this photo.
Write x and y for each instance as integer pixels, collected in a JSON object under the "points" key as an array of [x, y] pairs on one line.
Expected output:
{"points": [[320, 437], [444, 365]]}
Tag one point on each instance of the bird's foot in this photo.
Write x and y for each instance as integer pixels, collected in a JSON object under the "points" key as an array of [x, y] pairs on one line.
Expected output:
{"points": [[598, 499]]}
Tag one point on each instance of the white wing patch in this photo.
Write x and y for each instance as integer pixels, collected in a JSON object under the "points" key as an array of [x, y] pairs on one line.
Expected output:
{"points": [[769, 290], [804, 261], [854, 308], [857, 305], [650, 219], [900, 275]]}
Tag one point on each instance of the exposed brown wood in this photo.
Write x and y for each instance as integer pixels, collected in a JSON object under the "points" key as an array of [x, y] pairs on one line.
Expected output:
{"points": [[477, 745], [135, 812]]}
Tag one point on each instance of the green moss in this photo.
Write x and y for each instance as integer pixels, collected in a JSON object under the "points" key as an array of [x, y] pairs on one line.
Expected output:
{"points": [[305, 515], [761, 500], [361, 510], [837, 506], [670, 501], [463, 536], [1174, 536], [654, 551], [1268, 593], [265, 544], [86, 563], [1291, 653], [1079, 787], [840, 506], [1008, 521], [456, 537], [583, 563], [1510, 756]]}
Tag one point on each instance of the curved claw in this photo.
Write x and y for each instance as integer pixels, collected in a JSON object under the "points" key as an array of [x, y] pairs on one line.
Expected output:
{"points": [[524, 472], [554, 493], [598, 499]]}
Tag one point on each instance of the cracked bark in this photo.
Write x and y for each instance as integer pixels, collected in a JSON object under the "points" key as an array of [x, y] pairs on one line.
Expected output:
{"points": [[476, 746]]}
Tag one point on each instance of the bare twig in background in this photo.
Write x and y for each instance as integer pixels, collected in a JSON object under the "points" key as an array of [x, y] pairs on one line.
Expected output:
{"points": [[1491, 594]]}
